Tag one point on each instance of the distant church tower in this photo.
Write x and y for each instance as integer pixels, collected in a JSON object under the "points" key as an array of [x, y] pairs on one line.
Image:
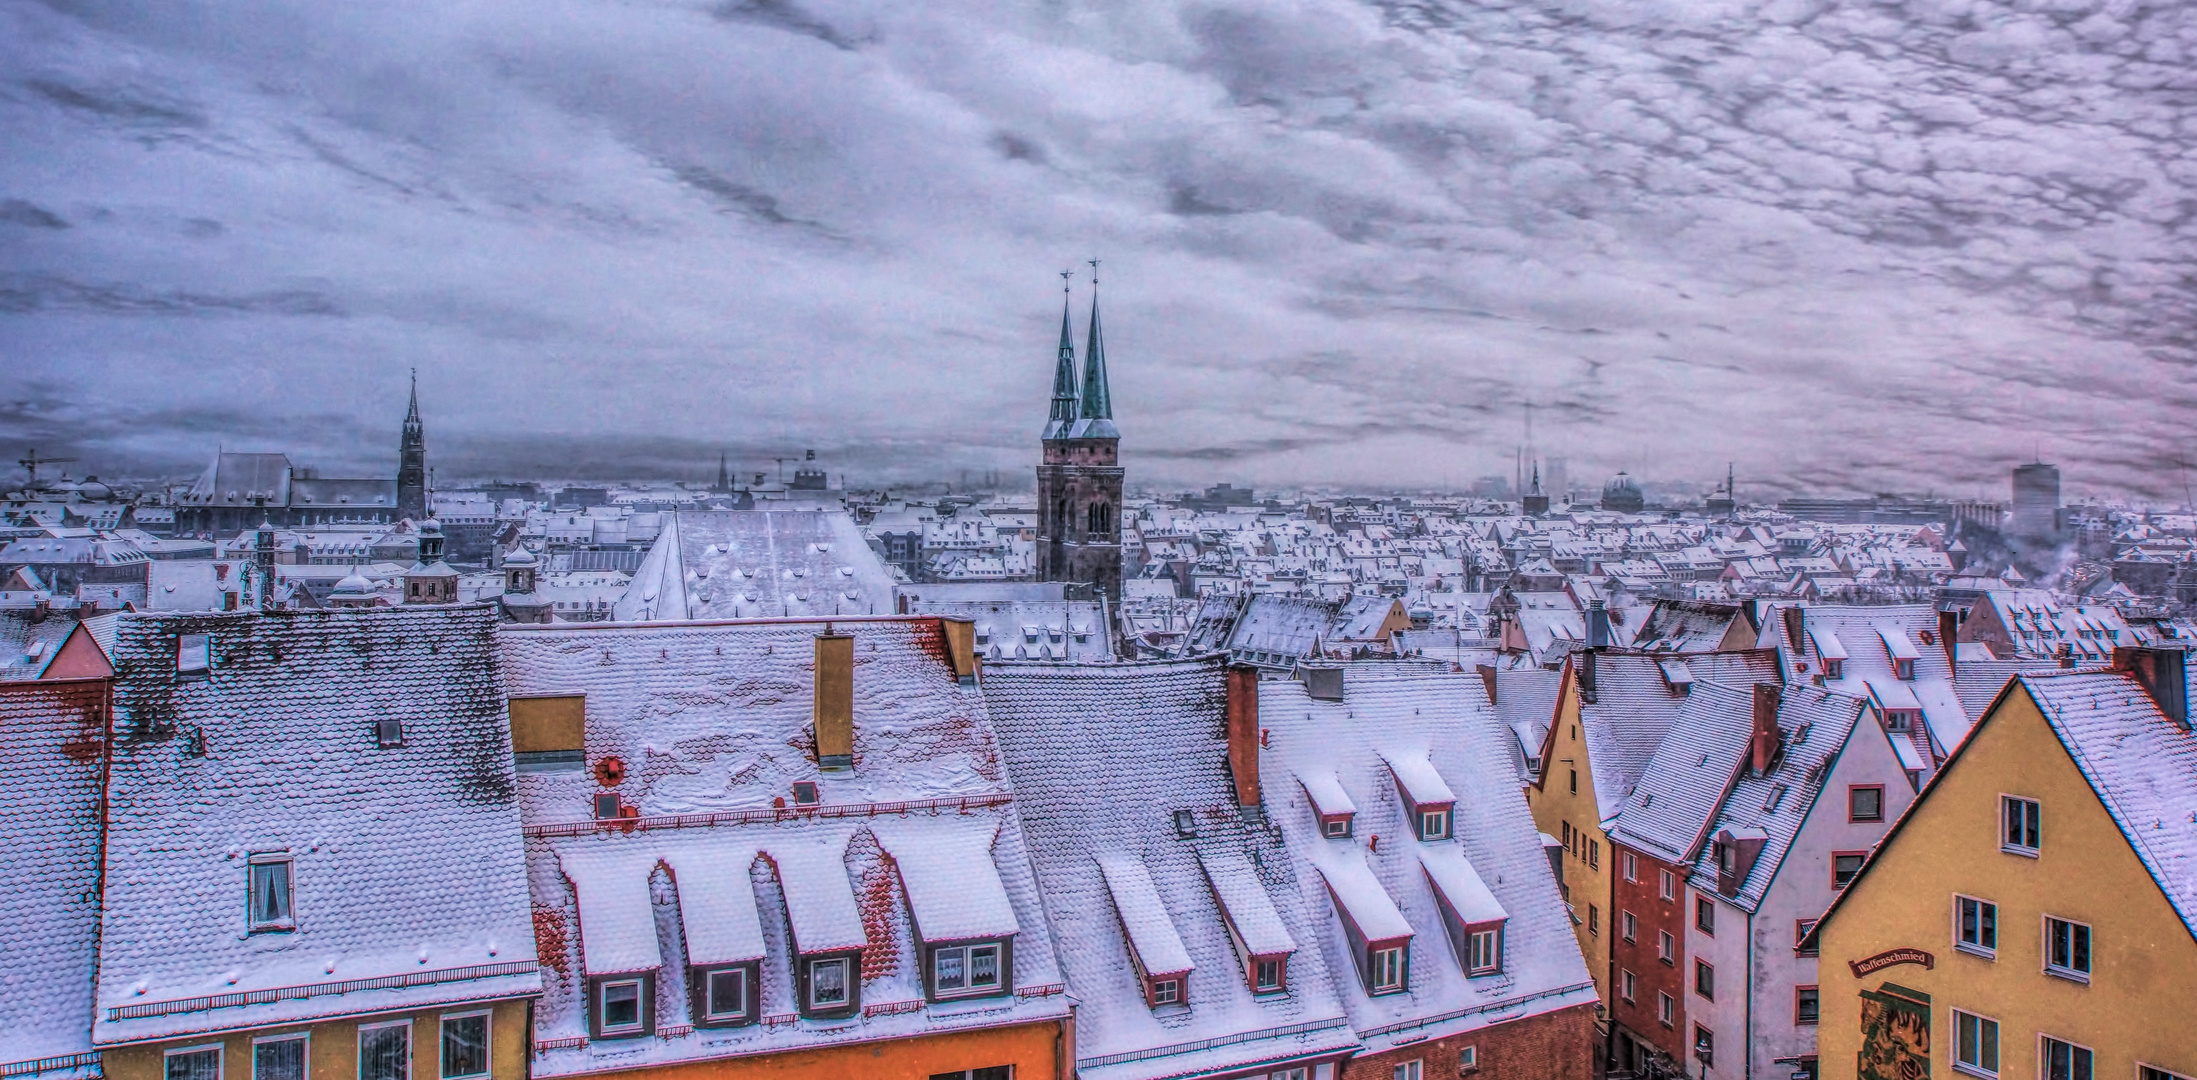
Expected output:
{"points": [[1079, 485], [412, 462]]}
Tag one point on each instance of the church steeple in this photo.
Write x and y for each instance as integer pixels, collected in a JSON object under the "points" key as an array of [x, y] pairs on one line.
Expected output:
{"points": [[1063, 415], [1095, 416], [412, 461]]}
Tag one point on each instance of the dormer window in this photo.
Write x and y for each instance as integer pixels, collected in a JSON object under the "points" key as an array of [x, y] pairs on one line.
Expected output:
{"points": [[1335, 827], [1166, 991], [966, 970], [1266, 977], [1899, 721], [1434, 824], [621, 1007], [1903, 668], [1333, 809], [193, 656], [828, 984], [1834, 669], [270, 906]]}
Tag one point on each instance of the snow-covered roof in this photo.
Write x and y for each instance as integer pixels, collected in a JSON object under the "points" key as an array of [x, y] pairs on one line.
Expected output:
{"points": [[953, 887], [1244, 902], [48, 934], [1634, 707], [732, 564], [617, 923], [1328, 797], [713, 722], [1460, 885], [405, 860], [1360, 896], [1144, 915], [1817, 724], [1892, 694], [1418, 777], [1896, 641], [1669, 808], [1827, 643]]}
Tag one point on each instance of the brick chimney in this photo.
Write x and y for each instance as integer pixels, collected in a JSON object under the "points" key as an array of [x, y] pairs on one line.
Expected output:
{"points": [[835, 702], [1487, 678], [1598, 625], [1768, 738], [2163, 674], [1796, 628], [1243, 733], [1949, 632]]}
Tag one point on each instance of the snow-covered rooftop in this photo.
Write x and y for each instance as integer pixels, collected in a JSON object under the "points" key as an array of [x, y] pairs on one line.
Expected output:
{"points": [[1143, 915], [48, 934]]}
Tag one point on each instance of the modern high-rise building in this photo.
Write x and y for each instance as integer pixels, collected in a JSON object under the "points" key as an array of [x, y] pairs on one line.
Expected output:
{"points": [[1079, 484], [2037, 502]]}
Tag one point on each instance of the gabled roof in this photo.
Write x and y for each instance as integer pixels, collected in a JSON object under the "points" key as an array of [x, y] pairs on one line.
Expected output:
{"points": [[263, 756], [1817, 724], [1635, 706], [735, 564], [1682, 786]]}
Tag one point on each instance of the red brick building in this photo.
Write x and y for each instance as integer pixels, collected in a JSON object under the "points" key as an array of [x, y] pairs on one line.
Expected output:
{"points": [[1648, 953]]}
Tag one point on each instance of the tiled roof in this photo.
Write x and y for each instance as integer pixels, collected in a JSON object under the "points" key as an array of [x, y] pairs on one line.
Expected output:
{"points": [[1635, 705], [1817, 723], [54, 734], [406, 859], [733, 564], [1684, 782]]}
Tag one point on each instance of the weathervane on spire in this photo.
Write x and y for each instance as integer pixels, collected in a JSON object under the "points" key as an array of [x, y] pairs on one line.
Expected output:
{"points": [[1094, 271], [1064, 276]]}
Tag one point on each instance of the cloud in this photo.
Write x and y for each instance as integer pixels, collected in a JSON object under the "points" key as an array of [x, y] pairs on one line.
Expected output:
{"points": [[1862, 246]]}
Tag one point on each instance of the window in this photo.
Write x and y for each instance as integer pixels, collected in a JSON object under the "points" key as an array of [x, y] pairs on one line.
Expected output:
{"points": [[1388, 969], [965, 969], [1594, 920], [1705, 915], [1704, 1045], [1801, 927], [1628, 926], [193, 656], [1298, 1073], [194, 1063], [1166, 991], [1865, 802], [2151, 1072], [271, 893], [1666, 947], [1628, 985], [1667, 885], [1407, 1070], [1266, 976], [1899, 721], [1903, 668], [1594, 854], [1337, 827], [385, 1051], [1186, 825], [1575, 781], [827, 983], [388, 732], [804, 793], [1434, 825], [1807, 1005], [1975, 1044], [2023, 820], [606, 806], [1834, 669], [465, 1045], [1484, 952], [1468, 1059], [1844, 865], [1976, 926], [2066, 949], [619, 1007], [1704, 979], [1665, 1008], [2065, 1060], [989, 1072], [279, 1057], [727, 993]]}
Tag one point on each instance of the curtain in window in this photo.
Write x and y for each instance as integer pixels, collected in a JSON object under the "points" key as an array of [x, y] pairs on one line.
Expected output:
{"points": [[828, 982], [271, 892]]}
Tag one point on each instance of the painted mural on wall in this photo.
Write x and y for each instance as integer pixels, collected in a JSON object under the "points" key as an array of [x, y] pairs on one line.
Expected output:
{"points": [[1895, 1034]]}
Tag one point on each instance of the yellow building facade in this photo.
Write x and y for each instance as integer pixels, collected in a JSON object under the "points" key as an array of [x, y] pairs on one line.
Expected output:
{"points": [[1563, 803], [2006, 926], [331, 1050]]}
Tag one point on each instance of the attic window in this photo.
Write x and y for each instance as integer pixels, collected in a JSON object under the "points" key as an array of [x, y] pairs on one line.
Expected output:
{"points": [[804, 793], [1834, 669], [606, 806], [389, 731], [1186, 824], [193, 655], [270, 899]]}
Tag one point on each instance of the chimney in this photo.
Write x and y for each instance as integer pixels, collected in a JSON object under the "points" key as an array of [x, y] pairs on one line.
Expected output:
{"points": [[1243, 733], [1323, 682], [1796, 628], [1487, 677], [961, 649], [1583, 669], [835, 702], [1949, 630], [1598, 625], [2065, 654], [1768, 738], [2162, 673]]}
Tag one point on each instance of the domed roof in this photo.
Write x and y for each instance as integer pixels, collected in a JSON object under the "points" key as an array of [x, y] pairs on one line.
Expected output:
{"points": [[430, 526], [1623, 495], [354, 584], [520, 557], [1621, 484], [92, 490]]}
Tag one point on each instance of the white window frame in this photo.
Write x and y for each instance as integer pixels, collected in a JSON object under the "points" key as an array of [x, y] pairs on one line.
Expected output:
{"points": [[1167, 991], [289, 918], [1258, 968], [1484, 951], [386, 1026], [488, 1042], [1632, 868], [603, 1025], [1336, 828], [2147, 1071], [1666, 947], [967, 954], [1468, 1058], [1975, 948], [1434, 824], [221, 1063], [1628, 926], [2044, 1056], [1628, 985], [1666, 1009], [1388, 962], [1998, 1049], [1666, 885], [1408, 1070], [305, 1037], [2006, 804], [1298, 1073], [2090, 949], [846, 984], [709, 994]]}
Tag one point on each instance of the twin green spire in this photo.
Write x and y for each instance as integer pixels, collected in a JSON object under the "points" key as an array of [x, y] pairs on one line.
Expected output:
{"points": [[1082, 409]]}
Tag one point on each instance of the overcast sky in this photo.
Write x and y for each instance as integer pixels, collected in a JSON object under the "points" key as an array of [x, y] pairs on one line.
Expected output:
{"points": [[1858, 246]]}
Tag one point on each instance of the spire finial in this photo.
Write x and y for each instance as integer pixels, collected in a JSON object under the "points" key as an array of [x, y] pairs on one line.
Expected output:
{"points": [[1093, 260], [1063, 415], [1097, 403]]}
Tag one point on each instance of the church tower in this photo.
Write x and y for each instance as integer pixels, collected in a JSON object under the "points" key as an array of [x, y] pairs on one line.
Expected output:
{"points": [[412, 461], [1080, 483]]}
